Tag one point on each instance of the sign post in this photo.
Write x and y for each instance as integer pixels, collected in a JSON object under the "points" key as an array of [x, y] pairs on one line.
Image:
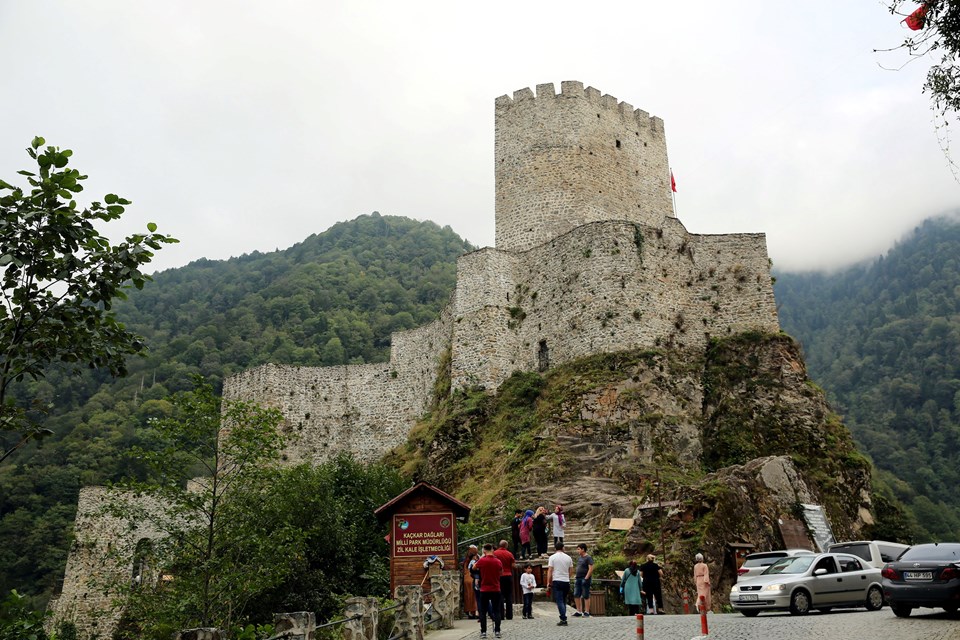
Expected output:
{"points": [[423, 533]]}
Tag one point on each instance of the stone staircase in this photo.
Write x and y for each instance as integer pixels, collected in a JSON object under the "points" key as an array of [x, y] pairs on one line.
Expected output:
{"points": [[576, 533]]}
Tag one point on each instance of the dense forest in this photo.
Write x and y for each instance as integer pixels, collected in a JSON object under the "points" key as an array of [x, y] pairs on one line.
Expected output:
{"points": [[883, 339], [333, 299]]}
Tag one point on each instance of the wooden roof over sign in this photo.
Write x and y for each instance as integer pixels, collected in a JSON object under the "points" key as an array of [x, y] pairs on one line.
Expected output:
{"points": [[460, 510]]}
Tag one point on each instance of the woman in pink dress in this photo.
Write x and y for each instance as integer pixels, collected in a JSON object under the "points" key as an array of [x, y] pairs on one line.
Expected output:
{"points": [[701, 575]]}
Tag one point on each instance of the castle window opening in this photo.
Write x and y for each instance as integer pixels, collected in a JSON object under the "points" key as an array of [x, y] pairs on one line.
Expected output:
{"points": [[543, 356]]}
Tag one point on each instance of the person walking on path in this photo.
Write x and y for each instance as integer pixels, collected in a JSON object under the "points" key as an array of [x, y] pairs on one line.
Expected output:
{"points": [[558, 580], [557, 520], [581, 588], [528, 582], [515, 531], [506, 579], [490, 569], [701, 576], [526, 530], [540, 531], [469, 596], [631, 588], [652, 573]]}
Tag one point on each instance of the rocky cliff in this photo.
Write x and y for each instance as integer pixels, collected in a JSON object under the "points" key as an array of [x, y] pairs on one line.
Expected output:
{"points": [[733, 440]]}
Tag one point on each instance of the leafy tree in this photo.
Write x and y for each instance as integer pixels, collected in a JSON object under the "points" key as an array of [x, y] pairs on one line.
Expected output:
{"points": [[213, 545], [18, 621], [343, 548], [939, 36], [59, 279]]}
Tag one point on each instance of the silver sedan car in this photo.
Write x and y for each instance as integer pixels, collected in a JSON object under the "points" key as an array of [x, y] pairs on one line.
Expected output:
{"points": [[802, 583]]}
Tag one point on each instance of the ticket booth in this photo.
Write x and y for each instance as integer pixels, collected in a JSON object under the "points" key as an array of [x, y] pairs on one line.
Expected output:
{"points": [[423, 533]]}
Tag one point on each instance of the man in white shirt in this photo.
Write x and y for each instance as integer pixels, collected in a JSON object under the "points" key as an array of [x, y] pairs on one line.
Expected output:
{"points": [[558, 580]]}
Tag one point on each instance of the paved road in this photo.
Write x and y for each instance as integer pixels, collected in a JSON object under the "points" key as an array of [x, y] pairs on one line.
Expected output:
{"points": [[838, 625]]}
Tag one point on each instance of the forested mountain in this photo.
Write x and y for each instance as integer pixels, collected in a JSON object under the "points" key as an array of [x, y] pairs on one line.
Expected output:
{"points": [[333, 299], [883, 339]]}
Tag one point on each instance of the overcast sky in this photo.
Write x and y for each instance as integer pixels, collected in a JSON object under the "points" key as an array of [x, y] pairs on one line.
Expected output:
{"points": [[241, 126]]}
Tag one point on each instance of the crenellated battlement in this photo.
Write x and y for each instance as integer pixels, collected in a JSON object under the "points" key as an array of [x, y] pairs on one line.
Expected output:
{"points": [[574, 157], [574, 89]]}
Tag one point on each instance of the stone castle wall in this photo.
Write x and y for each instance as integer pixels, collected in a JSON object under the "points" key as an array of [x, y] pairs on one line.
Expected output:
{"points": [[604, 287], [364, 410], [101, 560], [568, 159]]}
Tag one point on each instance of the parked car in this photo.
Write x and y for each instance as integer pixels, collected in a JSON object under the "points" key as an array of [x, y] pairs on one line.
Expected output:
{"points": [[799, 584], [755, 563], [875, 552], [926, 575]]}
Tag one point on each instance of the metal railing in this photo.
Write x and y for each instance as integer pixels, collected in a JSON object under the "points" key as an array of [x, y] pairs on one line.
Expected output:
{"points": [[484, 536]]}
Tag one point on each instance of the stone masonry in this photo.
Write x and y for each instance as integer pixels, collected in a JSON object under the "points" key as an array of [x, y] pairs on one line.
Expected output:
{"points": [[589, 259], [107, 555]]}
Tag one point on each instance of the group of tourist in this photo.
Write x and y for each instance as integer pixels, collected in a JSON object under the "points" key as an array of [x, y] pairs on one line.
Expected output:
{"points": [[532, 524], [488, 584], [488, 575]]}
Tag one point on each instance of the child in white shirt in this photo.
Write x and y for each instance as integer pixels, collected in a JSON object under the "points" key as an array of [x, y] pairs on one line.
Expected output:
{"points": [[528, 582]]}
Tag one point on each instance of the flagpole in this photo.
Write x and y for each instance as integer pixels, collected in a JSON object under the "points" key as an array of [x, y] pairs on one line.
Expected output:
{"points": [[673, 192]]}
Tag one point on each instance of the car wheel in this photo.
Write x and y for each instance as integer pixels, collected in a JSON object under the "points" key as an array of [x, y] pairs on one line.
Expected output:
{"points": [[901, 611], [800, 603], [874, 599], [750, 613]]}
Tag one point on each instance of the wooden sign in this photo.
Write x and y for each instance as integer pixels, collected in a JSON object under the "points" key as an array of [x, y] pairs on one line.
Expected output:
{"points": [[423, 523], [421, 535]]}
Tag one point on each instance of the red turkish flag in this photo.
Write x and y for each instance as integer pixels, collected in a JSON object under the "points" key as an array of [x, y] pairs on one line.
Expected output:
{"points": [[673, 182], [917, 19]]}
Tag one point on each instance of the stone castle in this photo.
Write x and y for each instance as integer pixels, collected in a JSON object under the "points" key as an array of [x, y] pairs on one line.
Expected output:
{"points": [[589, 259]]}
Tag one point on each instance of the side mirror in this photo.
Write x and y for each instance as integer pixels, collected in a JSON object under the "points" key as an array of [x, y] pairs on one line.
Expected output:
{"points": [[820, 572]]}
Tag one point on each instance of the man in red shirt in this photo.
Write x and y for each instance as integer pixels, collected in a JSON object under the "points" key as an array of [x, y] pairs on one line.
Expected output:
{"points": [[490, 570], [507, 559]]}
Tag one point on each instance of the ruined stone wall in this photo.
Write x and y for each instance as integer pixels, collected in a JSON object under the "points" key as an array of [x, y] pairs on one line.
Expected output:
{"points": [[364, 410], [568, 159], [100, 560], [604, 287]]}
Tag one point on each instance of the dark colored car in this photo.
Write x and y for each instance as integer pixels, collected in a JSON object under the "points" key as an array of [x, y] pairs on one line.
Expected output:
{"points": [[926, 575]]}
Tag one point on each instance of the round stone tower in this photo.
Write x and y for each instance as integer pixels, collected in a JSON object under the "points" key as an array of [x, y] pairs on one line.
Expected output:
{"points": [[578, 157]]}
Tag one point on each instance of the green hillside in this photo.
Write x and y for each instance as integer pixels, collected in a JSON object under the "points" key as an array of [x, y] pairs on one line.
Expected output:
{"points": [[333, 299], [884, 340]]}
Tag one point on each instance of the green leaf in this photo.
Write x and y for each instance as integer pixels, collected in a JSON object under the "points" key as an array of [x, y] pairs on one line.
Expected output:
{"points": [[151, 226], [110, 198], [37, 142]]}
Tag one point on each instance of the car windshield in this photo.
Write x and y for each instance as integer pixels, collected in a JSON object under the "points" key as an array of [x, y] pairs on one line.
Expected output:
{"points": [[798, 564], [948, 552]]}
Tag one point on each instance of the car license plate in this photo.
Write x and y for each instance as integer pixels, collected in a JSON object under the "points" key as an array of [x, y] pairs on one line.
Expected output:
{"points": [[918, 575], [748, 597]]}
